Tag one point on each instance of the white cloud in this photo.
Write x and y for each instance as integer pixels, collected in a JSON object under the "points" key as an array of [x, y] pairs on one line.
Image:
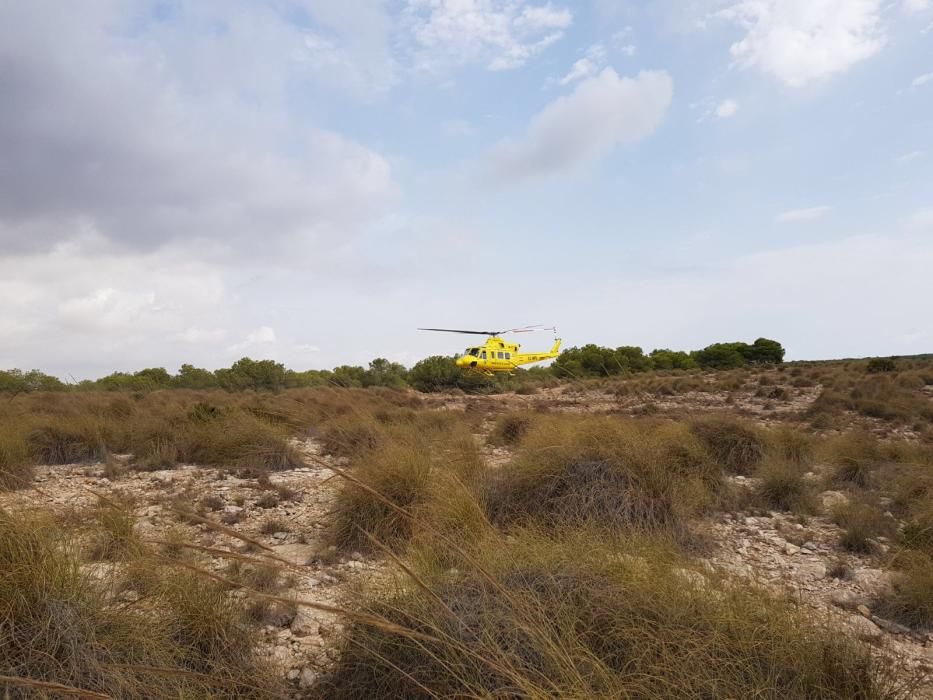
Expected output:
{"points": [[921, 220], [921, 80], [260, 342], [621, 41], [727, 108], [503, 34], [124, 149], [602, 112], [907, 157], [808, 214], [799, 41], [582, 68], [543, 17], [587, 66], [916, 6], [200, 336]]}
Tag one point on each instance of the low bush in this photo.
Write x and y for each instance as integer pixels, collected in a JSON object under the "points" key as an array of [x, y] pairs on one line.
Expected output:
{"points": [[352, 436], [575, 618], [782, 486], [861, 523], [791, 444], [510, 429], [613, 474], [400, 475], [737, 446], [114, 537], [17, 465], [67, 440], [60, 626], [917, 532], [854, 457], [240, 440], [433, 477], [910, 598]]}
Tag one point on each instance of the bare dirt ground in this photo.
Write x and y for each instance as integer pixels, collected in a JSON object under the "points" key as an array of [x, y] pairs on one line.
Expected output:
{"points": [[776, 550], [300, 641]]}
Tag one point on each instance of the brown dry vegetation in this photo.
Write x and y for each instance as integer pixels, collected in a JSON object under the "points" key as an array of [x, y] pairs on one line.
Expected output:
{"points": [[547, 543]]}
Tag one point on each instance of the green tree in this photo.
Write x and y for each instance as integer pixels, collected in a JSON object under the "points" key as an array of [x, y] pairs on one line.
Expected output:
{"points": [[764, 351], [381, 372], [154, 376], [435, 373], [671, 359], [191, 377], [630, 358], [348, 376], [18, 381], [246, 373], [720, 356], [310, 377]]}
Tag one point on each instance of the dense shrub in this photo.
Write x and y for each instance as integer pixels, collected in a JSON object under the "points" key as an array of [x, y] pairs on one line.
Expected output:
{"points": [[617, 475], [582, 618], [737, 446], [16, 463], [60, 627], [782, 486], [910, 598]]}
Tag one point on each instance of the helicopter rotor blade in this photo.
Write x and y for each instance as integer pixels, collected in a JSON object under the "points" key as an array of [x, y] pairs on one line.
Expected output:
{"points": [[454, 330], [522, 329]]}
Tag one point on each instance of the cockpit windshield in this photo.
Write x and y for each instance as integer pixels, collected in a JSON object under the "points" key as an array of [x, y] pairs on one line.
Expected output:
{"points": [[472, 351]]}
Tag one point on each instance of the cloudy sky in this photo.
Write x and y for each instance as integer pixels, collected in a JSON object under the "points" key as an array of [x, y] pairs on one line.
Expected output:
{"points": [[310, 180]]}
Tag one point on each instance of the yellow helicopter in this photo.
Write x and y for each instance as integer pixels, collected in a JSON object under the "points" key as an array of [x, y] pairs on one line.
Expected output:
{"points": [[496, 356]]}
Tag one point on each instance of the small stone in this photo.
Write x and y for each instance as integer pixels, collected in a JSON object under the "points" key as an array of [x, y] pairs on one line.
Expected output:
{"points": [[833, 499], [863, 627], [280, 535], [847, 600], [863, 610], [889, 626], [306, 678], [356, 556], [870, 580], [815, 570], [751, 521], [293, 674], [304, 625], [791, 548], [809, 545]]}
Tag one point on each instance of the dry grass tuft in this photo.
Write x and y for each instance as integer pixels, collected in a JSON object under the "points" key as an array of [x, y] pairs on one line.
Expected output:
{"points": [[510, 429], [910, 599], [854, 457], [737, 446], [608, 473], [401, 475], [17, 466], [782, 486], [575, 618], [861, 523], [189, 640]]}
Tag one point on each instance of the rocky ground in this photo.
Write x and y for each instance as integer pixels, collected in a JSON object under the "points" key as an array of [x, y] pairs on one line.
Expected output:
{"points": [[804, 560], [300, 640]]}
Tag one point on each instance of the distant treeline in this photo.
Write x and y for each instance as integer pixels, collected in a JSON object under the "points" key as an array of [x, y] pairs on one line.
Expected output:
{"points": [[430, 374]]}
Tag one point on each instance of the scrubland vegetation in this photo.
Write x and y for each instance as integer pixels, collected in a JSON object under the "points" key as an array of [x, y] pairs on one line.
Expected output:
{"points": [[556, 541]]}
